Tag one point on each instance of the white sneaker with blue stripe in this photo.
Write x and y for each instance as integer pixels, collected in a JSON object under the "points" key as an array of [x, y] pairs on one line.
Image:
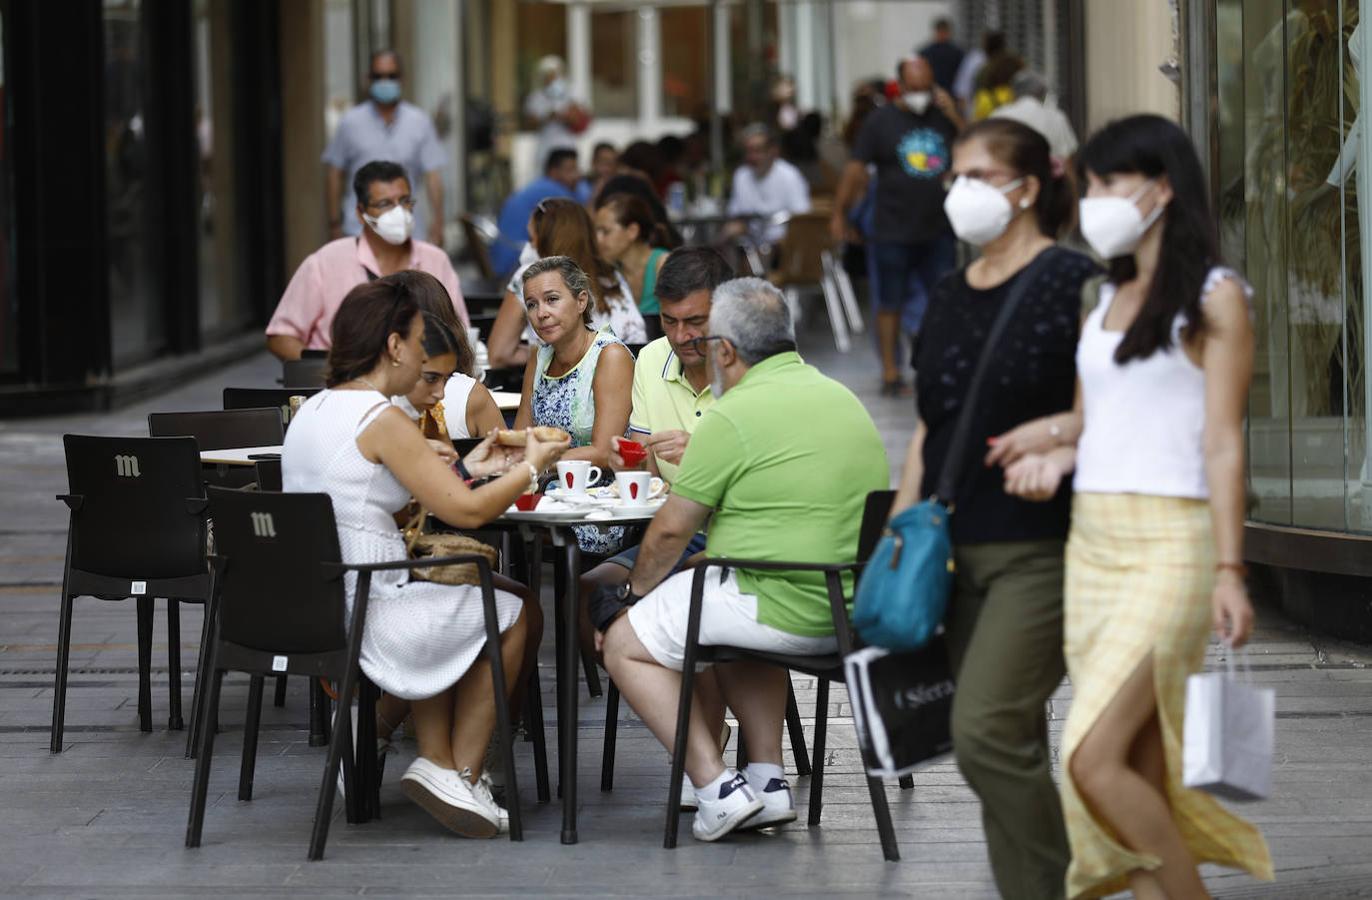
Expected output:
{"points": [[778, 807], [734, 804]]}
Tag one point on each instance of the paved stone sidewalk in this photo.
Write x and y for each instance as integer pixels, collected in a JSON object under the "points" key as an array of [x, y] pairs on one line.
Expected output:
{"points": [[107, 817]]}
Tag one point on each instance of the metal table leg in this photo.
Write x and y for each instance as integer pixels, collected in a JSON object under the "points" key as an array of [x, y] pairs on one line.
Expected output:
{"points": [[567, 681]]}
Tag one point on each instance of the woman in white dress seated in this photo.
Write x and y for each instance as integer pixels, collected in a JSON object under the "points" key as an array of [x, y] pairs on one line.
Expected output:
{"points": [[423, 642]]}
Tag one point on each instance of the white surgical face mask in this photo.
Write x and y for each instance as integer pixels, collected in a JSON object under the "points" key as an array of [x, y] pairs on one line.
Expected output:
{"points": [[917, 101], [393, 226], [1113, 226], [979, 212]]}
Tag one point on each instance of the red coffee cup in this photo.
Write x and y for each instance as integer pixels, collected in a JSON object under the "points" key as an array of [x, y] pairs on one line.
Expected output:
{"points": [[632, 452], [527, 502]]}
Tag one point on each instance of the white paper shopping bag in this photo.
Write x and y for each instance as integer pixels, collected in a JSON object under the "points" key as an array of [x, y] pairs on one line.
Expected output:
{"points": [[1228, 736]]}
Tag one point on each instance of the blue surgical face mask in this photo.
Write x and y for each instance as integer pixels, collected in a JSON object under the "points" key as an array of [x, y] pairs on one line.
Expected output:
{"points": [[386, 90]]}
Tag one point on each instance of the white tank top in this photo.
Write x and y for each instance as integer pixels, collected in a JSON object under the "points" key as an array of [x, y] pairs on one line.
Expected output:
{"points": [[455, 395], [1144, 420]]}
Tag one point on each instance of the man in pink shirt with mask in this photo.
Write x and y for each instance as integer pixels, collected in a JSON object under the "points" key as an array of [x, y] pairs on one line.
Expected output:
{"points": [[304, 316]]}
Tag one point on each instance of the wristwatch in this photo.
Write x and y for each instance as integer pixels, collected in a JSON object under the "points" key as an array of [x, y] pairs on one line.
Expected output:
{"points": [[625, 594]]}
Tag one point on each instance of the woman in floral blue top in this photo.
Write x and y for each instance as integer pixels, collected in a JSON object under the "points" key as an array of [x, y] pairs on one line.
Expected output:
{"points": [[580, 380]]}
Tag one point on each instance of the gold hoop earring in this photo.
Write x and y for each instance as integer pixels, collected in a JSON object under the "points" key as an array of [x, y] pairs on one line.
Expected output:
{"points": [[395, 363]]}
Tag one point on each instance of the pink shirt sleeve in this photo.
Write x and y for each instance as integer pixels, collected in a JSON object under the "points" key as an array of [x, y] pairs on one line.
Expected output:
{"points": [[301, 305]]}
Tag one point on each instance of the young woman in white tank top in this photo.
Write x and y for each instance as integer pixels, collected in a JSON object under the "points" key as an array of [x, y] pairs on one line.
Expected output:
{"points": [[1155, 552]]}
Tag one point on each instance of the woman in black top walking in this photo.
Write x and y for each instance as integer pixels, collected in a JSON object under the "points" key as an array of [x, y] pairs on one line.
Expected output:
{"points": [[1004, 622]]}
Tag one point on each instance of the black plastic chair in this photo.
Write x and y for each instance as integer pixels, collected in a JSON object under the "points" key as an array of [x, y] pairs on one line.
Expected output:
{"points": [[279, 607], [222, 429], [306, 372], [825, 669], [258, 398], [137, 529]]}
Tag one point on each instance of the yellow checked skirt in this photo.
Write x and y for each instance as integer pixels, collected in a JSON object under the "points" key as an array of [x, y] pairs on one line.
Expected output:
{"points": [[1140, 570]]}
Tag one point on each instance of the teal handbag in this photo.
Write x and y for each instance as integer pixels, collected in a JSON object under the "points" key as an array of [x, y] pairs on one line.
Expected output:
{"points": [[903, 592]]}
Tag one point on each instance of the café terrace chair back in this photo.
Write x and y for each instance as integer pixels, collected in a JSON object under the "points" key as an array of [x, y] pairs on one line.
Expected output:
{"points": [[137, 529], [825, 669], [306, 372], [261, 398], [803, 251], [223, 429], [280, 605]]}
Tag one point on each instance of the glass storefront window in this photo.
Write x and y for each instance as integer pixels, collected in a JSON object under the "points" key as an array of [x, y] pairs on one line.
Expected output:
{"points": [[136, 319], [1293, 216], [614, 64]]}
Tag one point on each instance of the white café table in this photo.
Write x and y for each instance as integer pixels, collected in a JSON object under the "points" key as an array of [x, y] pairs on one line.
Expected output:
{"points": [[508, 401], [236, 456]]}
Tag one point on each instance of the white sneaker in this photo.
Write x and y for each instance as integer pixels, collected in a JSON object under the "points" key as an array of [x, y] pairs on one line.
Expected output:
{"points": [[449, 798], [717, 816], [688, 795], [482, 790], [777, 806]]}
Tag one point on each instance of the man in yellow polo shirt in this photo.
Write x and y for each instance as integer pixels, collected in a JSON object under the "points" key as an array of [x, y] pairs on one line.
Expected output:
{"points": [[671, 386], [780, 467]]}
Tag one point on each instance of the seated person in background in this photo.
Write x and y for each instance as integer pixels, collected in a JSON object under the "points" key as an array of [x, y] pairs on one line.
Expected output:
{"points": [[462, 407], [564, 228], [780, 467], [628, 236], [560, 178], [422, 641], [604, 164], [638, 185], [765, 185], [304, 317], [580, 379], [1031, 108]]}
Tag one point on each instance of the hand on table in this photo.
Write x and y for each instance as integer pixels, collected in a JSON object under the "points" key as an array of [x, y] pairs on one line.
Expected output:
{"points": [[668, 446]]}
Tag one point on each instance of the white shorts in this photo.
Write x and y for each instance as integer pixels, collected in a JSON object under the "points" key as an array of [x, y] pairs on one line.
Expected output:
{"points": [[726, 617]]}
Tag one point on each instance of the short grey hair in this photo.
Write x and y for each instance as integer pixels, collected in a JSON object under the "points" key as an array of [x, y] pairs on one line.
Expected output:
{"points": [[757, 130], [753, 316], [577, 280], [1028, 83]]}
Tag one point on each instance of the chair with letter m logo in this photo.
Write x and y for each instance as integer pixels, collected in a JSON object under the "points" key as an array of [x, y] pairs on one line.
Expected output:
{"points": [[137, 529]]}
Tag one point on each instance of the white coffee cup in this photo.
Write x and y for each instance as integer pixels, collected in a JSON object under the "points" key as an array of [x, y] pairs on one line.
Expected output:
{"points": [[576, 475], [634, 488]]}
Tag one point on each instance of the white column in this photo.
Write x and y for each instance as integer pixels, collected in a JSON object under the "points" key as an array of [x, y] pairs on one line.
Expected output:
{"points": [[579, 49], [724, 95], [806, 61], [649, 68], [1364, 184], [786, 38]]}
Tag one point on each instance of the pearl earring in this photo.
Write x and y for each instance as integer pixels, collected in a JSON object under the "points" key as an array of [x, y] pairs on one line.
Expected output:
{"points": [[1024, 203], [395, 363]]}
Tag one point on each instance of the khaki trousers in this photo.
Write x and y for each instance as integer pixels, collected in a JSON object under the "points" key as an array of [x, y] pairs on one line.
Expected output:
{"points": [[1004, 629]]}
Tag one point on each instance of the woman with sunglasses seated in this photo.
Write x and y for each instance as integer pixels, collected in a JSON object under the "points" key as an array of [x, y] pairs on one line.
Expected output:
{"points": [[423, 642]]}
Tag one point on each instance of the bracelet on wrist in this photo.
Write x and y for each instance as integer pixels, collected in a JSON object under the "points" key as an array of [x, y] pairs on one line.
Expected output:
{"points": [[1237, 568]]}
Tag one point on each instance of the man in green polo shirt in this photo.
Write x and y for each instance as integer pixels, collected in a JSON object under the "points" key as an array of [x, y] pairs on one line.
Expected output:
{"points": [[781, 467]]}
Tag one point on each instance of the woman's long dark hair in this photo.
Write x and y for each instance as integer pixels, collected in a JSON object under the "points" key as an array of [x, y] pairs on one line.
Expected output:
{"points": [[630, 209], [1024, 150], [1153, 146], [434, 300], [368, 316]]}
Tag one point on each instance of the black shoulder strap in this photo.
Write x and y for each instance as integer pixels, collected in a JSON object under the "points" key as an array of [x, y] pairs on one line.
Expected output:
{"points": [[947, 484]]}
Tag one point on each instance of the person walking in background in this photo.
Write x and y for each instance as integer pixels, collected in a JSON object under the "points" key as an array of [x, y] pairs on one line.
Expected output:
{"points": [[304, 317], [1031, 107], [945, 57], [1155, 555], [561, 178], [1004, 621], [908, 142], [991, 88], [386, 127], [554, 111]]}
